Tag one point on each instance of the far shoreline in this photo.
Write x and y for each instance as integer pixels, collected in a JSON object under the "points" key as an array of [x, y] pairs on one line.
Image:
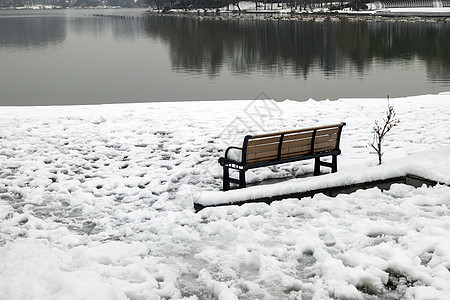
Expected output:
{"points": [[317, 16]]}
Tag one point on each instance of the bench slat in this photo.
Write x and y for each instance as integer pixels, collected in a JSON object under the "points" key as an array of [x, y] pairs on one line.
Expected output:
{"points": [[300, 148], [295, 143], [324, 147], [295, 154], [324, 138], [266, 159], [298, 136], [259, 141], [298, 130], [262, 148], [327, 131], [295, 151], [262, 156]]}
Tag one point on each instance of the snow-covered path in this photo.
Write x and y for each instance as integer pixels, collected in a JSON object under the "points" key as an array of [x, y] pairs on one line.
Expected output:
{"points": [[96, 202]]}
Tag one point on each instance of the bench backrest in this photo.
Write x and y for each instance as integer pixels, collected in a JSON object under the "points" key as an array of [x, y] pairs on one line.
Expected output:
{"points": [[286, 144]]}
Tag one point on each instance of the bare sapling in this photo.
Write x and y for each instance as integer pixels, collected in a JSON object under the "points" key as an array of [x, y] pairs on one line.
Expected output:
{"points": [[380, 131]]}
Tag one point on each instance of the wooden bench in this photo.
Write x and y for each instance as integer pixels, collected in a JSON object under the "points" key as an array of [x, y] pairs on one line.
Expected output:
{"points": [[269, 149]]}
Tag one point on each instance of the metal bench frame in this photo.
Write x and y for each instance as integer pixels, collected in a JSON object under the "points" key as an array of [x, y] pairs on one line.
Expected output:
{"points": [[326, 136]]}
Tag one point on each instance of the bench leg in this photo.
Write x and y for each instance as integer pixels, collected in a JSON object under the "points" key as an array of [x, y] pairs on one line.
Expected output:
{"points": [[242, 179], [226, 179], [334, 164], [317, 166]]}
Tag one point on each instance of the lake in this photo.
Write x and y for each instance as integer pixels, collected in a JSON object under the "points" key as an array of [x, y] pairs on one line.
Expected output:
{"points": [[77, 56]]}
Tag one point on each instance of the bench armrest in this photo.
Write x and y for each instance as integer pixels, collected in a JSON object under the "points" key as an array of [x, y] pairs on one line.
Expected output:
{"points": [[234, 154]]}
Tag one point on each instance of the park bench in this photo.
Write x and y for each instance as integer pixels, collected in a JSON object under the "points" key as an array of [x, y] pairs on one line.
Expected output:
{"points": [[270, 149]]}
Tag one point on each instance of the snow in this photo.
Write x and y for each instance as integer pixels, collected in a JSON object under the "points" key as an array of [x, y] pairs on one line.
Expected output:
{"points": [[234, 154], [431, 164], [373, 8], [416, 9], [96, 202]]}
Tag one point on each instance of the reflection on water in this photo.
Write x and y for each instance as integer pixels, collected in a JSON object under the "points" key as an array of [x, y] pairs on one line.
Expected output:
{"points": [[111, 56], [30, 29], [97, 25], [31, 32], [250, 46]]}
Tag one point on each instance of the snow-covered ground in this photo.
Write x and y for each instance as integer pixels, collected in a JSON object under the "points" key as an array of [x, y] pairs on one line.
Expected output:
{"points": [[96, 202], [412, 10]]}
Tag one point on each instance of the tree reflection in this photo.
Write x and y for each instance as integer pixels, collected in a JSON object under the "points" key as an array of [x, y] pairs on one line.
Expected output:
{"points": [[273, 47], [34, 32], [97, 25]]}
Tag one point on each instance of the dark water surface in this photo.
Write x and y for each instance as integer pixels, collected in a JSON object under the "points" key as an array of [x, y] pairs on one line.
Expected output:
{"points": [[75, 57]]}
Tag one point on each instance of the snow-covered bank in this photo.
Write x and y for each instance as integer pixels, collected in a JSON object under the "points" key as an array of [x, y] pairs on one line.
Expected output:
{"points": [[431, 164], [382, 15], [250, 10], [96, 202]]}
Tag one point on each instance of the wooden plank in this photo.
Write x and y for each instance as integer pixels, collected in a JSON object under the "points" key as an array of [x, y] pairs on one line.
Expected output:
{"points": [[324, 138], [296, 148], [295, 151], [298, 136], [324, 147], [334, 126], [292, 154], [296, 143], [327, 131], [260, 141], [265, 159], [261, 148], [325, 144], [262, 156]]}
